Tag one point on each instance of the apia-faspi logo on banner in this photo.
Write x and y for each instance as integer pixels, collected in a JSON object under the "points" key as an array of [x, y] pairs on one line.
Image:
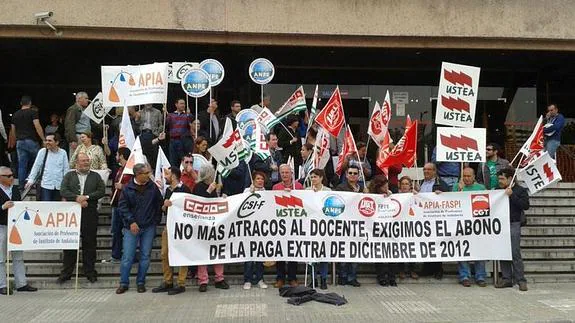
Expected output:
{"points": [[261, 71], [215, 69], [196, 82]]}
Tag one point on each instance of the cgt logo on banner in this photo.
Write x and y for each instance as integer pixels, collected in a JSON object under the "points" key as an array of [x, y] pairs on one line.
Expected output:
{"points": [[339, 227], [457, 97], [134, 84], [44, 225], [540, 173], [461, 144]]}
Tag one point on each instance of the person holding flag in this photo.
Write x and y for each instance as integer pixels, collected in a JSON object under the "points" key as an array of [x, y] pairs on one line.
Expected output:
{"points": [[289, 140]]}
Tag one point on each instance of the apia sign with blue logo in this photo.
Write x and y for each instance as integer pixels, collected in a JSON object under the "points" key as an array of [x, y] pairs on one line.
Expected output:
{"points": [[261, 71], [333, 206], [196, 82], [215, 69]]}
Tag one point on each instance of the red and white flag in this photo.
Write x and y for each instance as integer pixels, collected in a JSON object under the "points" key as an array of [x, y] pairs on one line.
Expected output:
{"points": [[331, 117], [405, 150], [534, 145], [321, 154], [379, 121], [348, 148], [136, 157], [126, 138], [540, 173]]}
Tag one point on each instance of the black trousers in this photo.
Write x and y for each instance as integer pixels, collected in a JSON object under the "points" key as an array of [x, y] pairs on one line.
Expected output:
{"points": [[88, 233], [432, 268], [291, 270], [386, 270]]}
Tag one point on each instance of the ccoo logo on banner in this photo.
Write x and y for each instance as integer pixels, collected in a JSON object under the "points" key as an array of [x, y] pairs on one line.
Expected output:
{"points": [[540, 173], [460, 144], [457, 97]]}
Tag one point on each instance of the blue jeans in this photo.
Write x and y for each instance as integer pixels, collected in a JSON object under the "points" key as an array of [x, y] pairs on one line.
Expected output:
{"points": [[49, 195], [117, 235], [450, 181], [323, 268], [145, 238], [348, 271], [251, 268], [551, 146], [27, 150], [464, 272]]}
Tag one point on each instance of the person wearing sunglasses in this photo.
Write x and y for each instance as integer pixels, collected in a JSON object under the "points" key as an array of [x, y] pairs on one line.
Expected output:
{"points": [[189, 175], [8, 194], [487, 172]]}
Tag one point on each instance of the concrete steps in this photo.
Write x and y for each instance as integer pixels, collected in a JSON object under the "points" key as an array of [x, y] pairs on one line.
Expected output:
{"points": [[548, 242], [551, 220]]}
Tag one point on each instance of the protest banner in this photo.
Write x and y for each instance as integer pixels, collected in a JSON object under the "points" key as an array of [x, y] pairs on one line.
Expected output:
{"points": [[457, 97], [540, 173], [307, 226], [261, 71], [44, 225], [96, 110], [177, 70], [461, 144], [134, 84]]}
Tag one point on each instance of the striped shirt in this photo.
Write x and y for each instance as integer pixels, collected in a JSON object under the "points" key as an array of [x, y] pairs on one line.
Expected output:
{"points": [[178, 124]]}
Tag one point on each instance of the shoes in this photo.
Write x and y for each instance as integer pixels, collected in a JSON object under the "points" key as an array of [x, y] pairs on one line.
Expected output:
{"points": [[293, 283], [383, 282], [401, 275], [342, 281], [141, 289], [354, 283], [222, 285], [177, 290], [114, 261], [466, 283], [481, 283], [438, 275], [121, 290], [503, 284], [392, 283], [279, 283], [164, 288], [27, 288], [62, 279], [323, 284], [92, 278], [523, 286], [262, 284], [414, 275], [247, 285], [203, 288], [4, 291]]}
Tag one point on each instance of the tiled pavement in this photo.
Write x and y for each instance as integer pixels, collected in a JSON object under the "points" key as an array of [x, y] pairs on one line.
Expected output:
{"points": [[369, 303]]}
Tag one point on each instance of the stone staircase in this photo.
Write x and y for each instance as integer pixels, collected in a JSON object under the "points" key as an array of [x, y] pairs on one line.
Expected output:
{"points": [[548, 248]]}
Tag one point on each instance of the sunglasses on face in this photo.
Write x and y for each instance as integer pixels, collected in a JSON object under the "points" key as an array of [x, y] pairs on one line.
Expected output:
{"points": [[188, 162], [489, 149], [352, 173], [8, 175]]}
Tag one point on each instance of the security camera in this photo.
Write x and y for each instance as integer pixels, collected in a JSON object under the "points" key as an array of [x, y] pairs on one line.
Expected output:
{"points": [[43, 15]]}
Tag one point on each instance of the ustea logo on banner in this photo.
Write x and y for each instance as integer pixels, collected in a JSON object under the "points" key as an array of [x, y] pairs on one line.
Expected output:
{"points": [[367, 207], [333, 206], [251, 204], [480, 205], [457, 97], [290, 206], [461, 144]]}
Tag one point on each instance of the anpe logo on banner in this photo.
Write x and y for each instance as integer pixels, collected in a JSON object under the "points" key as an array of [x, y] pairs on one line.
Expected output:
{"points": [[367, 207], [480, 205], [251, 204], [333, 206], [291, 206], [205, 208]]}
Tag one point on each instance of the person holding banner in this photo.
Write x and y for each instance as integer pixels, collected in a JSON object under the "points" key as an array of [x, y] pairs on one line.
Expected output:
{"points": [[487, 172], [172, 178], [85, 187], [318, 181], [408, 268], [348, 271], [468, 184], [179, 125], [8, 194], [253, 270], [448, 172], [49, 168], [140, 207], [207, 187], [518, 202]]}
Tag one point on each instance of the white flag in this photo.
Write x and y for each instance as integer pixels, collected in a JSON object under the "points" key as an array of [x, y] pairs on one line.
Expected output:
{"points": [[127, 138], [95, 110], [314, 106], [162, 165], [226, 150], [540, 173], [266, 118], [533, 138], [261, 147], [321, 155], [136, 157]]}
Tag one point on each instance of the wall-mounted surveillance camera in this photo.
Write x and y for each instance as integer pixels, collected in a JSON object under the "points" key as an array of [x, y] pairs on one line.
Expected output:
{"points": [[43, 15]]}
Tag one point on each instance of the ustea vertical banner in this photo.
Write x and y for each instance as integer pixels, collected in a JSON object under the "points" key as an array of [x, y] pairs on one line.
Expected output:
{"points": [[44, 225], [457, 97]]}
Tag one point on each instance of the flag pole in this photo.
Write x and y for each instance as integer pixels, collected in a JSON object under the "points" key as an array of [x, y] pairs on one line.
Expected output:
{"points": [[77, 262], [188, 105], [516, 171], [165, 111], [366, 146], [196, 116], [8, 252]]}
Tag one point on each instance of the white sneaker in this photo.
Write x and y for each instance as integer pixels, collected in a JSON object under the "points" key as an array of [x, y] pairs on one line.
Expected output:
{"points": [[262, 285], [247, 286]]}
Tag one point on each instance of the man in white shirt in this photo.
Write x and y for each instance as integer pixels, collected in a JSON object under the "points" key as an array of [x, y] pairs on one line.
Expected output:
{"points": [[49, 168]]}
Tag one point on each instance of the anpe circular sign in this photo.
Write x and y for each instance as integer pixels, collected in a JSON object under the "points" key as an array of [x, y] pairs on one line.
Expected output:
{"points": [[196, 82], [215, 69], [261, 71]]}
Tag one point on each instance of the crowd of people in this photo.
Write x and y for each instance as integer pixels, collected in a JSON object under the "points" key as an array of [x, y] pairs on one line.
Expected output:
{"points": [[81, 145]]}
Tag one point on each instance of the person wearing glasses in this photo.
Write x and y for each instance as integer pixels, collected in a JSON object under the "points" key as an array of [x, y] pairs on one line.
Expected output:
{"points": [[487, 172], [189, 176], [141, 208], [348, 271], [8, 194]]}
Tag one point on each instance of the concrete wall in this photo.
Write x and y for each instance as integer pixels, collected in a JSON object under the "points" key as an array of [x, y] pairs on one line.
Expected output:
{"points": [[493, 19]]}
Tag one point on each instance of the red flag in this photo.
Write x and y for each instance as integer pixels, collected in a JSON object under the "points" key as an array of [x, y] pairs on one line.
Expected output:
{"points": [[534, 145], [331, 117], [348, 148], [383, 153], [405, 150]]}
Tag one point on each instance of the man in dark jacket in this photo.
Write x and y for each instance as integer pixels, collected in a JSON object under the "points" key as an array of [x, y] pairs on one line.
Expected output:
{"points": [[289, 140], [85, 187], [518, 203], [140, 207]]}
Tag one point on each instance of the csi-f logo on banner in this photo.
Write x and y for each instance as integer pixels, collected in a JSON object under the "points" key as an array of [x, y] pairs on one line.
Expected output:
{"points": [[461, 144], [251, 204], [457, 97]]}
